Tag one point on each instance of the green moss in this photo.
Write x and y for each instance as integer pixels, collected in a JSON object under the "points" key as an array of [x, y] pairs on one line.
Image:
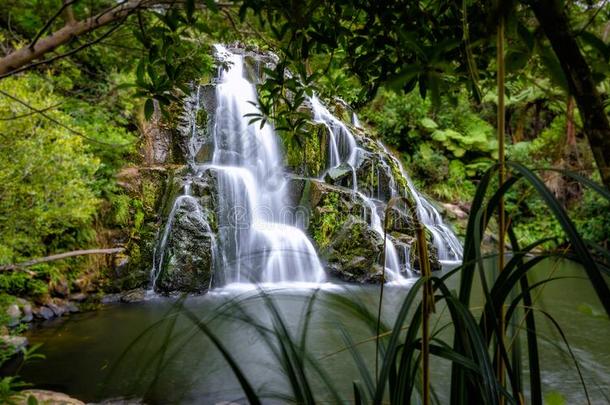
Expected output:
{"points": [[201, 118], [397, 174], [150, 194], [306, 155], [212, 220], [327, 220]]}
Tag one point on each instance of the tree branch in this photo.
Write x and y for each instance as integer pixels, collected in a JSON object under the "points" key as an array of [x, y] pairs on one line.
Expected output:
{"points": [[44, 29], [23, 56], [63, 55], [18, 266]]}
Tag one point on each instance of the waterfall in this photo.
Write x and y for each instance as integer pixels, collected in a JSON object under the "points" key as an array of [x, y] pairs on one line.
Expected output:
{"points": [[343, 142], [447, 244], [343, 148], [255, 230], [235, 179]]}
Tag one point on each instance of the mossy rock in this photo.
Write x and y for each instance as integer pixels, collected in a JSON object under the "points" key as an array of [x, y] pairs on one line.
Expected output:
{"points": [[308, 155], [355, 252], [187, 259]]}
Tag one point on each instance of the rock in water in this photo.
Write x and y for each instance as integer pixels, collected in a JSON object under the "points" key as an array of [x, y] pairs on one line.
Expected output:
{"points": [[44, 313], [188, 255], [44, 397], [14, 314], [135, 295]]}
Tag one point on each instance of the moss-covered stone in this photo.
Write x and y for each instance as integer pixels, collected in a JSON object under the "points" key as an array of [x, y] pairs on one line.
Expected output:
{"points": [[307, 156], [187, 258]]}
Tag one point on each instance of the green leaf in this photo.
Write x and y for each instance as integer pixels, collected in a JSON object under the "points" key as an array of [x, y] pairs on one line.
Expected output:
{"points": [[149, 108], [552, 65], [554, 398]]}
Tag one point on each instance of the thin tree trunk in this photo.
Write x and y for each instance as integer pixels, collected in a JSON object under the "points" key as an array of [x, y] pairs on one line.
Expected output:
{"points": [[554, 21], [69, 14]]}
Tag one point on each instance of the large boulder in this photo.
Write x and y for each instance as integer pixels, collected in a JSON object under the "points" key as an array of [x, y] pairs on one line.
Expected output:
{"points": [[184, 254], [374, 176], [186, 258], [342, 175], [355, 251]]}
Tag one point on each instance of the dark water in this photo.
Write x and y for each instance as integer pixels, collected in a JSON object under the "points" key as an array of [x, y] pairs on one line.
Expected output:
{"points": [[152, 350]]}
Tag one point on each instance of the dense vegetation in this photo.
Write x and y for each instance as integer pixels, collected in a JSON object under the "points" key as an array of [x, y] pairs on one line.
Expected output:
{"points": [[423, 75]]}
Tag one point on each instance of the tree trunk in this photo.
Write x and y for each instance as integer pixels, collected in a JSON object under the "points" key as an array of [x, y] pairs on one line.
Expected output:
{"points": [[554, 21]]}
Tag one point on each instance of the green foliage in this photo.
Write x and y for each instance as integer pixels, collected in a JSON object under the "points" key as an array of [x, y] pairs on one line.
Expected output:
{"points": [[10, 385], [326, 220], [58, 167], [592, 218], [9, 389], [45, 178], [443, 149]]}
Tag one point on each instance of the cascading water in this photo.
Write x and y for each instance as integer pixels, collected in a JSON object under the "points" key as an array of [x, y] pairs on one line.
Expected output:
{"points": [[447, 244], [343, 148], [254, 225], [256, 234]]}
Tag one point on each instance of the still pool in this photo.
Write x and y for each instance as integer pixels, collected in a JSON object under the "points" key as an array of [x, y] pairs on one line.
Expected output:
{"points": [[153, 350]]}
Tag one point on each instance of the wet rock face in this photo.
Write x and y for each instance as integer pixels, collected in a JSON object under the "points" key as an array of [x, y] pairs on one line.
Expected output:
{"points": [[355, 252], [187, 258], [374, 176], [188, 255], [350, 249], [342, 175], [338, 222]]}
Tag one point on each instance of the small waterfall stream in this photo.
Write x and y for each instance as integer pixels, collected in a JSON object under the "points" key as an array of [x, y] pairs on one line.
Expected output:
{"points": [[342, 140], [343, 149], [256, 237]]}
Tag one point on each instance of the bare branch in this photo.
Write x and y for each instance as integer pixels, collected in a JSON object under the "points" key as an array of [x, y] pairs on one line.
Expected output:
{"points": [[63, 55], [18, 266], [23, 56], [16, 61]]}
